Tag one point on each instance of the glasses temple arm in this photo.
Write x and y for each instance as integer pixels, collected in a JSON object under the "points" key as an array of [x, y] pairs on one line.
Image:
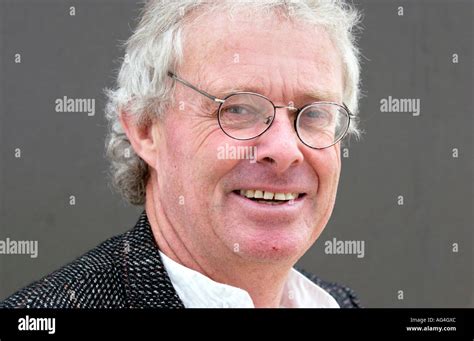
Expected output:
{"points": [[348, 111], [182, 81]]}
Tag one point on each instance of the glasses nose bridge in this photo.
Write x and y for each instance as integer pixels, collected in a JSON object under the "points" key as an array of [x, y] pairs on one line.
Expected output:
{"points": [[289, 107]]}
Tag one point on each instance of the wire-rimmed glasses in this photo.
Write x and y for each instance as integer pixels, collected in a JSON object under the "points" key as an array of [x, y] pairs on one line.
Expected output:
{"points": [[247, 115]]}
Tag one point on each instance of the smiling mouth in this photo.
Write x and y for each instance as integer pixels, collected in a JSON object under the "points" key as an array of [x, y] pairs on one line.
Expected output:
{"points": [[269, 198]]}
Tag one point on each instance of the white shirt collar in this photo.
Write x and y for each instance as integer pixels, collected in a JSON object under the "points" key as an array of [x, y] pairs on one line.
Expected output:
{"points": [[198, 291]]}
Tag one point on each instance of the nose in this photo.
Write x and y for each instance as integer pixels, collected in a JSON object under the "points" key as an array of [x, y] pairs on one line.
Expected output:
{"points": [[279, 146]]}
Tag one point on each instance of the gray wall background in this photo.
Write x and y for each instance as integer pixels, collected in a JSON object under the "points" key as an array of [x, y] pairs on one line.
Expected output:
{"points": [[408, 247]]}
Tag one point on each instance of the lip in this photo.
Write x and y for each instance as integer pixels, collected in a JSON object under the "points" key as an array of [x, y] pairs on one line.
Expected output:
{"points": [[267, 212], [274, 190]]}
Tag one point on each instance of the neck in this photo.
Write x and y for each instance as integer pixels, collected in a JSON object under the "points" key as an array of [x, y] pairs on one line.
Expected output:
{"points": [[263, 281]]}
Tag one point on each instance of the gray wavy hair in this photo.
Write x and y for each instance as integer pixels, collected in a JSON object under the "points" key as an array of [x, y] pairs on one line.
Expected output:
{"points": [[144, 92]]}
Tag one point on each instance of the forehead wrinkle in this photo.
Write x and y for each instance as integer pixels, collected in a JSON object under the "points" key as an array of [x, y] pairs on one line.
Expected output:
{"points": [[225, 82], [309, 94], [304, 90]]}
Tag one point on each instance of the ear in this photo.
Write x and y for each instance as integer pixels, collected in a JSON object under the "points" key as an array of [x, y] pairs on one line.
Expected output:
{"points": [[142, 136]]}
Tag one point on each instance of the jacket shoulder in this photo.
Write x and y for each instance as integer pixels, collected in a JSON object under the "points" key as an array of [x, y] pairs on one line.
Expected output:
{"points": [[344, 296], [91, 281]]}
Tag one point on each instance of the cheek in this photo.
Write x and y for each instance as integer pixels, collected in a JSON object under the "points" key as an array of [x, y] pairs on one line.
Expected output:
{"points": [[189, 158], [327, 165]]}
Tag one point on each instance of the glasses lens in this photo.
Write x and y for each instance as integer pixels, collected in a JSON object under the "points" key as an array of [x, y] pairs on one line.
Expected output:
{"points": [[321, 125], [245, 116]]}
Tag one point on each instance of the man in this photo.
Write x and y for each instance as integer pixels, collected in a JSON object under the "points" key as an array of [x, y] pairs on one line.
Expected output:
{"points": [[277, 78]]}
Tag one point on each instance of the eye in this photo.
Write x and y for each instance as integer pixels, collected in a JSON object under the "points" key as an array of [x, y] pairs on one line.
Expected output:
{"points": [[317, 116], [312, 114], [238, 110]]}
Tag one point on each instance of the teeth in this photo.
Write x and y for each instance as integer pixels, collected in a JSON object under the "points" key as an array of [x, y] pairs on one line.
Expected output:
{"points": [[258, 194], [280, 196], [268, 195]]}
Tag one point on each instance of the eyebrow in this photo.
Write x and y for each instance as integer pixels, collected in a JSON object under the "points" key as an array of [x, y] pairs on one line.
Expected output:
{"points": [[321, 95], [312, 95]]}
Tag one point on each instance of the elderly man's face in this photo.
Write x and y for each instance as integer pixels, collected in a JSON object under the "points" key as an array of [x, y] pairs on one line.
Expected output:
{"points": [[199, 192]]}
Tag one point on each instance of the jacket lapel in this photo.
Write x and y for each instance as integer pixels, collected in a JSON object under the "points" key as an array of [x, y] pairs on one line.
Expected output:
{"points": [[145, 280]]}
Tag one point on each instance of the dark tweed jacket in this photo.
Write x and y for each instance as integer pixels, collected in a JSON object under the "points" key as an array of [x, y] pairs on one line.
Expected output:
{"points": [[125, 271]]}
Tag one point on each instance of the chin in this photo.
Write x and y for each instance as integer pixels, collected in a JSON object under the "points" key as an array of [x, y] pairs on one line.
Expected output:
{"points": [[279, 245]]}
